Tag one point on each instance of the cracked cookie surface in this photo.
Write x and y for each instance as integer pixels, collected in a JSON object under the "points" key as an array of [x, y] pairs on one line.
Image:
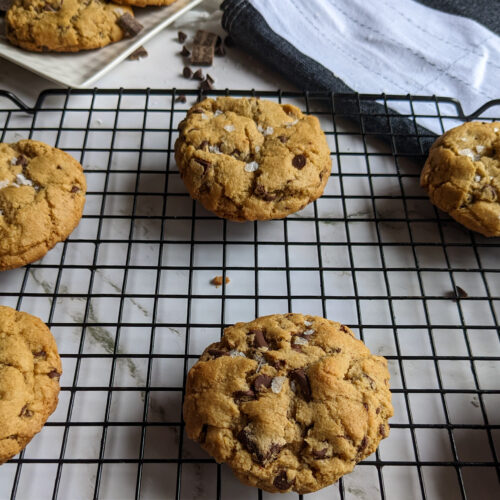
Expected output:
{"points": [[289, 402], [30, 369], [63, 25], [462, 176], [251, 159], [42, 194]]}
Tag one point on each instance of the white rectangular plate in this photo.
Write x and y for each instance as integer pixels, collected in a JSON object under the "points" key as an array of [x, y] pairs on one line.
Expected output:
{"points": [[81, 69]]}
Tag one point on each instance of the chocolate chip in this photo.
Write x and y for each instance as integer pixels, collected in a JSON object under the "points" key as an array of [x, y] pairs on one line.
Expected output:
{"points": [[262, 382], [363, 444], [281, 481], [370, 381], [217, 353], [377, 411], [185, 52], [459, 293], [59, 167], [40, 354], [344, 329], [198, 75], [381, 430], [129, 25], [278, 364], [301, 379], [244, 394], [187, 72], [299, 161], [25, 412], [181, 36], [283, 138], [209, 79], [202, 55], [205, 38], [206, 85], [259, 339], [220, 51], [139, 53], [319, 454], [366, 406], [54, 374], [203, 162], [21, 160], [181, 98], [75, 189], [244, 438]]}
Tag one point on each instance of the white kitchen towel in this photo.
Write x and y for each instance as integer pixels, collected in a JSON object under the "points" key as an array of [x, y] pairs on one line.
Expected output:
{"points": [[392, 46]]}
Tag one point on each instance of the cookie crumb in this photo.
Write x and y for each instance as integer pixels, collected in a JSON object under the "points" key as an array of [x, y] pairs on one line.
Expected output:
{"points": [[217, 281]]}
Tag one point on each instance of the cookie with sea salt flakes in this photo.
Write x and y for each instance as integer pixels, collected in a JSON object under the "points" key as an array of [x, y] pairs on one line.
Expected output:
{"points": [[251, 159], [30, 368], [289, 402], [42, 194], [462, 176], [64, 26]]}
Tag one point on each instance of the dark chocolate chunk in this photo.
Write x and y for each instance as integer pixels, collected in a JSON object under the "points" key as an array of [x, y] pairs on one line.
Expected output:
{"points": [[187, 72], [283, 138], [377, 411], [198, 75], [245, 439], [185, 52], [381, 429], [210, 79], [206, 85], [75, 189], [54, 374], [202, 55], [181, 36], [139, 53], [129, 25], [217, 353], [262, 382], [363, 444], [244, 394], [281, 481], [25, 412], [205, 38], [299, 161], [21, 160], [259, 339], [319, 454], [366, 406], [181, 98], [278, 364], [344, 329], [40, 354], [301, 379], [220, 51], [461, 293]]}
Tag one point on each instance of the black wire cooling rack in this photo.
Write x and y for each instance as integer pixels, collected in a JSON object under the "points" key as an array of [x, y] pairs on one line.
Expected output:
{"points": [[129, 300]]}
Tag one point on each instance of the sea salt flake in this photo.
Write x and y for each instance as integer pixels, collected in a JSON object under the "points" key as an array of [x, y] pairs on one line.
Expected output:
{"points": [[229, 128], [214, 149], [217, 112], [293, 386], [251, 166], [495, 129], [291, 124], [204, 116], [268, 131], [300, 341], [479, 149], [13, 161], [277, 384], [22, 181], [4, 184], [310, 331], [477, 178], [257, 149], [234, 354], [468, 152], [308, 323]]}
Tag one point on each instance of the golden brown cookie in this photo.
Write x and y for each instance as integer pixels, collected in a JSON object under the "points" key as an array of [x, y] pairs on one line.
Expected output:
{"points": [[462, 175], [63, 26], [289, 402], [251, 159], [145, 3], [30, 369], [42, 194]]}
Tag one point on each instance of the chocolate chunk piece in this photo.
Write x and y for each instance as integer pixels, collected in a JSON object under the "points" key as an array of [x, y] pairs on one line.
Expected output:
{"points": [[181, 98], [262, 382], [461, 292], [320, 454], [21, 160], [278, 364], [281, 481], [299, 161], [205, 38], [300, 378], [283, 138], [139, 53], [246, 395], [54, 374], [40, 354], [209, 79], [259, 339], [217, 353], [381, 429], [187, 72], [129, 25], [75, 189], [185, 52], [181, 36], [202, 55], [206, 85], [25, 412], [244, 437], [198, 74], [363, 444]]}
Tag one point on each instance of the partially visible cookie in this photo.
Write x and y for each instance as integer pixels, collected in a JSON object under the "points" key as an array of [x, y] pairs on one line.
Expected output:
{"points": [[145, 3], [30, 369], [42, 194], [252, 159], [63, 26], [289, 402], [462, 176]]}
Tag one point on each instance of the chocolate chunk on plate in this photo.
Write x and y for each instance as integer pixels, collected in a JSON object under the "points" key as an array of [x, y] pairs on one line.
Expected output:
{"points": [[139, 53], [202, 55], [181, 37], [205, 38], [198, 74], [129, 25]]}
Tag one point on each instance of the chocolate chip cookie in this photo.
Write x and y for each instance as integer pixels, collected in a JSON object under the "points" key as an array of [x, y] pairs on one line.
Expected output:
{"points": [[42, 194], [30, 368], [64, 26], [290, 402], [251, 159], [462, 176]]}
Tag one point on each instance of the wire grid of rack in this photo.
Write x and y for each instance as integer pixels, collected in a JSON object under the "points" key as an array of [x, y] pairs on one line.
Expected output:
{"points": [[129, 300]]}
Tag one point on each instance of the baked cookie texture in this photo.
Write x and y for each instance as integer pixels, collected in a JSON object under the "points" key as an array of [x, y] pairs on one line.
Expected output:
{"points": [[462, 176], [145, 3], [251, 159], [63, 25], [289, 402], [30, 369], [42, 194]]}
